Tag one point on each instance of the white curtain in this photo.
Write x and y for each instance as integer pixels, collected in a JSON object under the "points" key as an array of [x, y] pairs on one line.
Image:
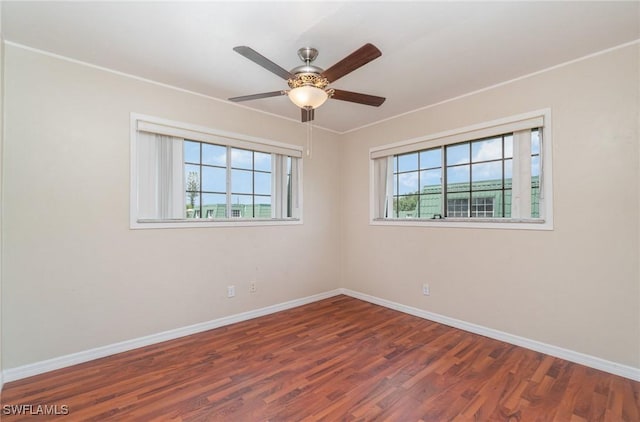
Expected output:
{"points": [[279, 185], [295, 188], [383, 186], [160, 177], [521, 186], [285, 202]]}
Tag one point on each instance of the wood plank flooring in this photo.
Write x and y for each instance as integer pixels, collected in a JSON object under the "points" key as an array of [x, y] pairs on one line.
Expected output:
{"points": [[340, 359]]}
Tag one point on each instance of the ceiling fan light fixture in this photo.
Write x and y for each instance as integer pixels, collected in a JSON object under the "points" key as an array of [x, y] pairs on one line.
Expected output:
{"points": [[308, 96]]}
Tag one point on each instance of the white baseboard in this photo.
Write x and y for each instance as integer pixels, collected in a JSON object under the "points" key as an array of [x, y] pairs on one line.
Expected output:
{"points": [[25, 371], [559, 352], [12, 374]]}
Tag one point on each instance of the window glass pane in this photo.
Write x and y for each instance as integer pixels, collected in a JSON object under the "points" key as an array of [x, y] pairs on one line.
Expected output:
{"points": [[214, 155], [408, 183], [262, 183], [431, 181], [535, 201], [458, 154], [458, 178], [535, 182], [262, 161], [214, 179], [507, 203], [458, 205], [214, 205], [535, 166], [241, 200], [192, 201], [241, 206], [241, 159], [406, 206], [192, 177], [262, 207], [487, 149], [484, 175], [408, 162], [508, 146], [430, 205], [486, 204], [431, 158], [535, 142], [535, 187], [241, 181], [508, 173], [192, 152]]}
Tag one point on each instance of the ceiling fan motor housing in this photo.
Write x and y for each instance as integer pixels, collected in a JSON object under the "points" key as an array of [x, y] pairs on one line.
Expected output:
{"points": [[308, 79], [308, 74], [307, 55]]}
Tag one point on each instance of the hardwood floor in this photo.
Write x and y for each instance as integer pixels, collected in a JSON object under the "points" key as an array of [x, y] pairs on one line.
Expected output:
{"points": [[339, 359]]}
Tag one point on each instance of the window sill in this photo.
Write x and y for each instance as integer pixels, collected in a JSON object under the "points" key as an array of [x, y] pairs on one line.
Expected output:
{"points": [[230, 222], [469, 223]]}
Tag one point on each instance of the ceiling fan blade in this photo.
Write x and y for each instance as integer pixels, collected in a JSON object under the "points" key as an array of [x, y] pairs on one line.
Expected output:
{"points": [[258, 96], [358, 58], [259, 59], [356, 97], [307, 114]]}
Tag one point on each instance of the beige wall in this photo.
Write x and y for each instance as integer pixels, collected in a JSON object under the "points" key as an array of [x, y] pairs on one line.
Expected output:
{"points": [[78, 277], [75, 276], [576, 287]]}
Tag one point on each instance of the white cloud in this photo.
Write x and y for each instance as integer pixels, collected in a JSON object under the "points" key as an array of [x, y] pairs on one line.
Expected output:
{"points": [[409, 181], [487, 171], [241, 158], [489, 150]]}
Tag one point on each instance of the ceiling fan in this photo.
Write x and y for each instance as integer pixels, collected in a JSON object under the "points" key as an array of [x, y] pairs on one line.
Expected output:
{"points": [[309, 83]]}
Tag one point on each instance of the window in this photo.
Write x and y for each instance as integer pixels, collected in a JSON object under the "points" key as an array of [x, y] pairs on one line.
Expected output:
{"points": [[458, 207], [477, 172], [205, 167], [186, 176], [482, 207], [488, 173]]}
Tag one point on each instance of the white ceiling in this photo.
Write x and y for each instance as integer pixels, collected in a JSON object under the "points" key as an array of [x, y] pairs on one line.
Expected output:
{"points": [[431, 51]]}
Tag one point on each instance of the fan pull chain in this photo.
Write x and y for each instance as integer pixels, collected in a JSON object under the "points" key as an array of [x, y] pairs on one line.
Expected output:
{"points": [[309, 139]]}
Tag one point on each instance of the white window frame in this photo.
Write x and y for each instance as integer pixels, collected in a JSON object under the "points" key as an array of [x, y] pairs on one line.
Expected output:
{"points": [[470, 133], [203, 134]]}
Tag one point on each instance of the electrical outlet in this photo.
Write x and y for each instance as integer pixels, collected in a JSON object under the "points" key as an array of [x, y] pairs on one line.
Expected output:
{"points": [[231, 291], [252, 287], [425, 289]]}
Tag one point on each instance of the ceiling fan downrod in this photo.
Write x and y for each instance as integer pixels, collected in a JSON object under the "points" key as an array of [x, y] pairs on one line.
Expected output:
{"points": [[307, 55]]}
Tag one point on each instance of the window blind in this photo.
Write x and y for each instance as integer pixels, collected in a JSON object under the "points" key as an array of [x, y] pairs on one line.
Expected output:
{"points": [[202, 135], [446, 138]]}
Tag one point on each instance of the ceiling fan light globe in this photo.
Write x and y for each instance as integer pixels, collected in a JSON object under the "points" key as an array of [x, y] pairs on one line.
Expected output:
{"points": [[308, 96]]}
